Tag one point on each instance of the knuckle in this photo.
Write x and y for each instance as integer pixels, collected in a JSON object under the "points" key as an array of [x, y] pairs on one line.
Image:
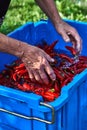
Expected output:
{"points": [[60, 32], [73, 30], [32, 78], [52, 76]]}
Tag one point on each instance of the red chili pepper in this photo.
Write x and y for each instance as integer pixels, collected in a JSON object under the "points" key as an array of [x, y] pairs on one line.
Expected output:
{"points": [[14, 76], [20, 87], [57, 87], [79, 70], [1, 76], [84, 58], [49, 96], [72, 50], [39, 91], [70, 72], [26, 77], [53, 54], [26, 86], [84, 66], [56, 94], [51, 46], [66, 81], [64, 71], [58, 75], [63, 56], [32, 86], [22, 71], [21, 66]]}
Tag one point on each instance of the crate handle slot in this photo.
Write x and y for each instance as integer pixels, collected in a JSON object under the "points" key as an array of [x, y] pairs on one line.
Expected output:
{"points": [[31, 117]]}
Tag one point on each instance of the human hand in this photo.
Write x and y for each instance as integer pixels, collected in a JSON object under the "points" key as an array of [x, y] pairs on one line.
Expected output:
{"points": [[69, 34], [37, 63]]}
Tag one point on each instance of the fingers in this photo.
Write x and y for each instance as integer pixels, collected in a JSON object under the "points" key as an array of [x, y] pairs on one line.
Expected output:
{"points": [[50, 71], [76, 40], [78, 44], [31, 75], [64, 35], [48, 57], [43, 74], [74, 37], [37, 76], [36, 67], [69, 33], [34, 76]]}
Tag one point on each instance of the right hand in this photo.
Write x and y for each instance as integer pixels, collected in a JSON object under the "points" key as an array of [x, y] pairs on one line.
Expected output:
{"points": [[37, 63]]}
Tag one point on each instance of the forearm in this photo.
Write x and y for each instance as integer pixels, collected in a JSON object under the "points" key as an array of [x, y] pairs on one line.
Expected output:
{"points": [[10, 45], [49, 8]]}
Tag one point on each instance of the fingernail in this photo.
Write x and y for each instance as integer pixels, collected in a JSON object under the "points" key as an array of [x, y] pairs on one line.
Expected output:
{"points": [[68, 33], [54, 77], [67, 40], [52, 60]]}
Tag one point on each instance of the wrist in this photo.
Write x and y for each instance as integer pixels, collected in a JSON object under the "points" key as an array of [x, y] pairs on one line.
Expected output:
{"points": [[57, 21], [10, 45], [21, 49], [17, 49]]}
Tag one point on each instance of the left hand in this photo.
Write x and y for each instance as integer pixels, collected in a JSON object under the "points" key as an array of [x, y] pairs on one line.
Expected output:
{"points": [[69, 34], [37, 63]]}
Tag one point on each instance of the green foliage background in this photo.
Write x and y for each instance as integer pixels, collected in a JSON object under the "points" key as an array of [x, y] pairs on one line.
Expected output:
{"points": [[22, 11]]}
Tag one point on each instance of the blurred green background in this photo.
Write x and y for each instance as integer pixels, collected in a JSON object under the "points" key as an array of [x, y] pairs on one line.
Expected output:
{"points": [[22, 11]]}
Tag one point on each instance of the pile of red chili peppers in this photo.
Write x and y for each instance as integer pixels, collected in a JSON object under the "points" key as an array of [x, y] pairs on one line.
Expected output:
{"points": [[65, 67]]}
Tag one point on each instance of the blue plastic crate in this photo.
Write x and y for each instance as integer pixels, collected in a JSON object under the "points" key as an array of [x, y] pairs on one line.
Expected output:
{"points": [[27, 111]]}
